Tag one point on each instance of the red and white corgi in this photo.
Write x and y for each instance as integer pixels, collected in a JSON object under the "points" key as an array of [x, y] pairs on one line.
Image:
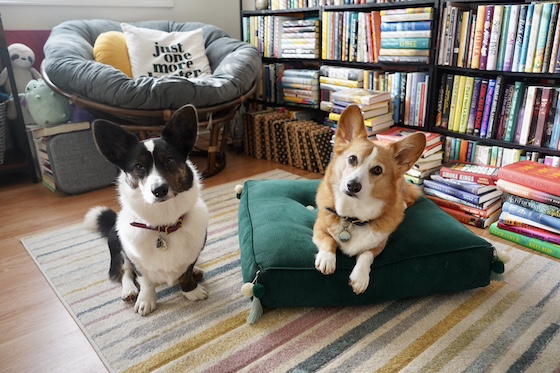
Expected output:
{"points": [[362, 197]]}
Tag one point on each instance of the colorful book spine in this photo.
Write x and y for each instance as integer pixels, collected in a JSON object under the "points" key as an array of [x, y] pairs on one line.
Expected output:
{"points": [[542, 38], [474, 105], [503, 37], [406, 43], [478, 36], [533, 37], [532, 232], [406, 26], [526, 37], [486, 36], [534, 205], [512, 117], [532, 243], [519, 37], [487, 107], [466, 105], [480, 106], [534, 216], [533, 174], [528, 192], [511, 37], [490, 130], [495, 35]]}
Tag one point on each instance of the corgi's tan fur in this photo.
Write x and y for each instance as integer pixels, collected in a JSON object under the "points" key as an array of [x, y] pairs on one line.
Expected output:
{"points": [[364, 183]]}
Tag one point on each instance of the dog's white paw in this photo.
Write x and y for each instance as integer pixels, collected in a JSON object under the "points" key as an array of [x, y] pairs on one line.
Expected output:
{"points": [[359, 280], [145, 304], [129, 293], [325, 262], [198, 293]]}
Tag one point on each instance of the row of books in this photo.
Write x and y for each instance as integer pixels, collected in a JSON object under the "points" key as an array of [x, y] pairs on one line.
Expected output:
{"points": [[300, 87], [283, 36], [531, 209], [511, 37], [527, 114], [392, 35], [471, 151], [299, 4]]}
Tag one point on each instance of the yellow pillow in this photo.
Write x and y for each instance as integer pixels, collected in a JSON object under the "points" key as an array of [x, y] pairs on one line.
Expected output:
{"points": [[110, 48]]}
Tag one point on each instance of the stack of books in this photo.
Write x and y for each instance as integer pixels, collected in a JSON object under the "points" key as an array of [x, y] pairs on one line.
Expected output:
{"points": [[374, 104], [467, 192], [300, 87], [294, 40], [405, 35], [510, 37], [429, 162], [531, 211]]}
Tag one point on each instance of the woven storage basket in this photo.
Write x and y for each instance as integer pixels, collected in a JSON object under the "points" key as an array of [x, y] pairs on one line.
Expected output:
{"points": [[3, 125]]}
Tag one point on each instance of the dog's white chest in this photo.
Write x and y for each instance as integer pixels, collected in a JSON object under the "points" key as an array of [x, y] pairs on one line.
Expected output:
{"points": [[360, 239]]}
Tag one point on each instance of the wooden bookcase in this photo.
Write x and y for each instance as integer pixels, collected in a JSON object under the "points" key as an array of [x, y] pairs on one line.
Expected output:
{"points": [[435, 68]]}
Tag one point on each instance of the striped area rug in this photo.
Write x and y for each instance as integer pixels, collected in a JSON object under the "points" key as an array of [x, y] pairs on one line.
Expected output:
{"points": [[508, 326]]}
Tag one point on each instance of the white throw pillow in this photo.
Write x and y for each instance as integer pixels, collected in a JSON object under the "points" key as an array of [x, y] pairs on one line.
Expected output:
{"points": [[158, 53]]}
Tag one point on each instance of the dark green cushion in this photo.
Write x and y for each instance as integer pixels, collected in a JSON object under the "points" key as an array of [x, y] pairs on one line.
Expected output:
{"points": [[429, 253]]}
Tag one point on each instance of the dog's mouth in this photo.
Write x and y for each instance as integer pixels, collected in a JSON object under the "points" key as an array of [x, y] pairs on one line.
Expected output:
{"points": [[350, 194]]}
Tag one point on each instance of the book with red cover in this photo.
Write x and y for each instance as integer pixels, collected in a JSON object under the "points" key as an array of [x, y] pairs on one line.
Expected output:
{"points": [[533, 174], [487, 175], [532, 232], [473, 220], [398, 133]]}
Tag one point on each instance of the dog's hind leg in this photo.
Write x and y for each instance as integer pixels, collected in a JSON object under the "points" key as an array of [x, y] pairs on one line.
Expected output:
{"points": [[189, 284]]}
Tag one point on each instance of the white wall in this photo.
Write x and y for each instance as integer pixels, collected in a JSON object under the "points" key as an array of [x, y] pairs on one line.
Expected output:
{"points": [[222, 13]]}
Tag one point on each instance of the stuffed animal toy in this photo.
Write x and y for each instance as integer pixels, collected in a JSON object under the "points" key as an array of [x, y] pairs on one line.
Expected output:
{"points": [[22, 58], [45, 106]]}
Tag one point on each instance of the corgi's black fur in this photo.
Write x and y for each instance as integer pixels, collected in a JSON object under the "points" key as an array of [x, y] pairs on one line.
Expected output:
{"points": [[160, 231]]}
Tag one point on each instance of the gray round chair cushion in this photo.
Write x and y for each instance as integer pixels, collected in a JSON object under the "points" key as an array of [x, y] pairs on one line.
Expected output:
{"points": [[69, 64]]}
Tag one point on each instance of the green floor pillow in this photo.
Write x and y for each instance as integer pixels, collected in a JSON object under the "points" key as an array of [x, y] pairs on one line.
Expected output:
{"points": [[429, 253]]}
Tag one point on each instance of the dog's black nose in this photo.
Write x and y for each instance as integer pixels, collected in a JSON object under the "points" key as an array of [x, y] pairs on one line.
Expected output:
{"points": [[354, 186], [160, 191]]}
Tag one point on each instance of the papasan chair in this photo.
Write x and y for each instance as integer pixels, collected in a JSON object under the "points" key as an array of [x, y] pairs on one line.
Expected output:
{"points": [[143, 103]]}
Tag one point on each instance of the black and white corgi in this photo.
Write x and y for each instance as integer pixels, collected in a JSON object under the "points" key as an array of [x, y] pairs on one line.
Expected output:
{"points": [[161, 229]]}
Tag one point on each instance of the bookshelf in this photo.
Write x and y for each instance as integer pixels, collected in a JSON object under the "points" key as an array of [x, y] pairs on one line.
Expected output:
{"points": [[442, 63], [506, 83]]}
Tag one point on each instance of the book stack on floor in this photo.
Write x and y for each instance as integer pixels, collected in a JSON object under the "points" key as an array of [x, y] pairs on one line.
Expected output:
{"points": [[335, 78], [405, 35], [294, 41], [531, 211], [300, 87], [467, 192], [429, 162], [375, 107]]}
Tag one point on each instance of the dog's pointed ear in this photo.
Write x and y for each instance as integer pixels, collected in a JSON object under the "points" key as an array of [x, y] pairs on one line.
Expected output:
{"points": [[113, 141], [182, 129], [408, 150], [351, 125]]}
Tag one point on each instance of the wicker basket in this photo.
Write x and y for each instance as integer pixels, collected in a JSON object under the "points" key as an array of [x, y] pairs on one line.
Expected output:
{"points": [[3, 125]]}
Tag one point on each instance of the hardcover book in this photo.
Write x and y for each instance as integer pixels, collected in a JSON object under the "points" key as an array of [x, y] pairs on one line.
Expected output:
{"points": [[487, 175], [361, 96], [466, 196], [528, 192], [532, 243], [533, 174], [467, 186], [534, 216]]}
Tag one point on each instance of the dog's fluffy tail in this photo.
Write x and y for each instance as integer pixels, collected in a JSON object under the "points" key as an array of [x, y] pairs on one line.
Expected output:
{"points": [[100, 219]]}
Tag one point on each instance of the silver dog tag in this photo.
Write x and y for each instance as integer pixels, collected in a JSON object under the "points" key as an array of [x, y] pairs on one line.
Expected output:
{"points": [[161, 243]]}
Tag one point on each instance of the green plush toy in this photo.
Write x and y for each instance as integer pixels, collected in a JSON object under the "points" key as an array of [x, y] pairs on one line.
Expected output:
{"points": [[45, 106]]}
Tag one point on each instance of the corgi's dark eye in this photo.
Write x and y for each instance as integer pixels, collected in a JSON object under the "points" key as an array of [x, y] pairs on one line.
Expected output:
{"points": [[377, 170], [169, 161], [352, 160], [139, 167]]}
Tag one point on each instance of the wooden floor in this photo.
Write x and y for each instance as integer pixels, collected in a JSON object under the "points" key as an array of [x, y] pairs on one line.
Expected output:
{"points": [[36, 332]]}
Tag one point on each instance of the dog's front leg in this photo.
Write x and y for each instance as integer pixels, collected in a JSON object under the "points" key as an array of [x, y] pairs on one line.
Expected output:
{"points": [[359, 278], [325, 261], [146, 302]]}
